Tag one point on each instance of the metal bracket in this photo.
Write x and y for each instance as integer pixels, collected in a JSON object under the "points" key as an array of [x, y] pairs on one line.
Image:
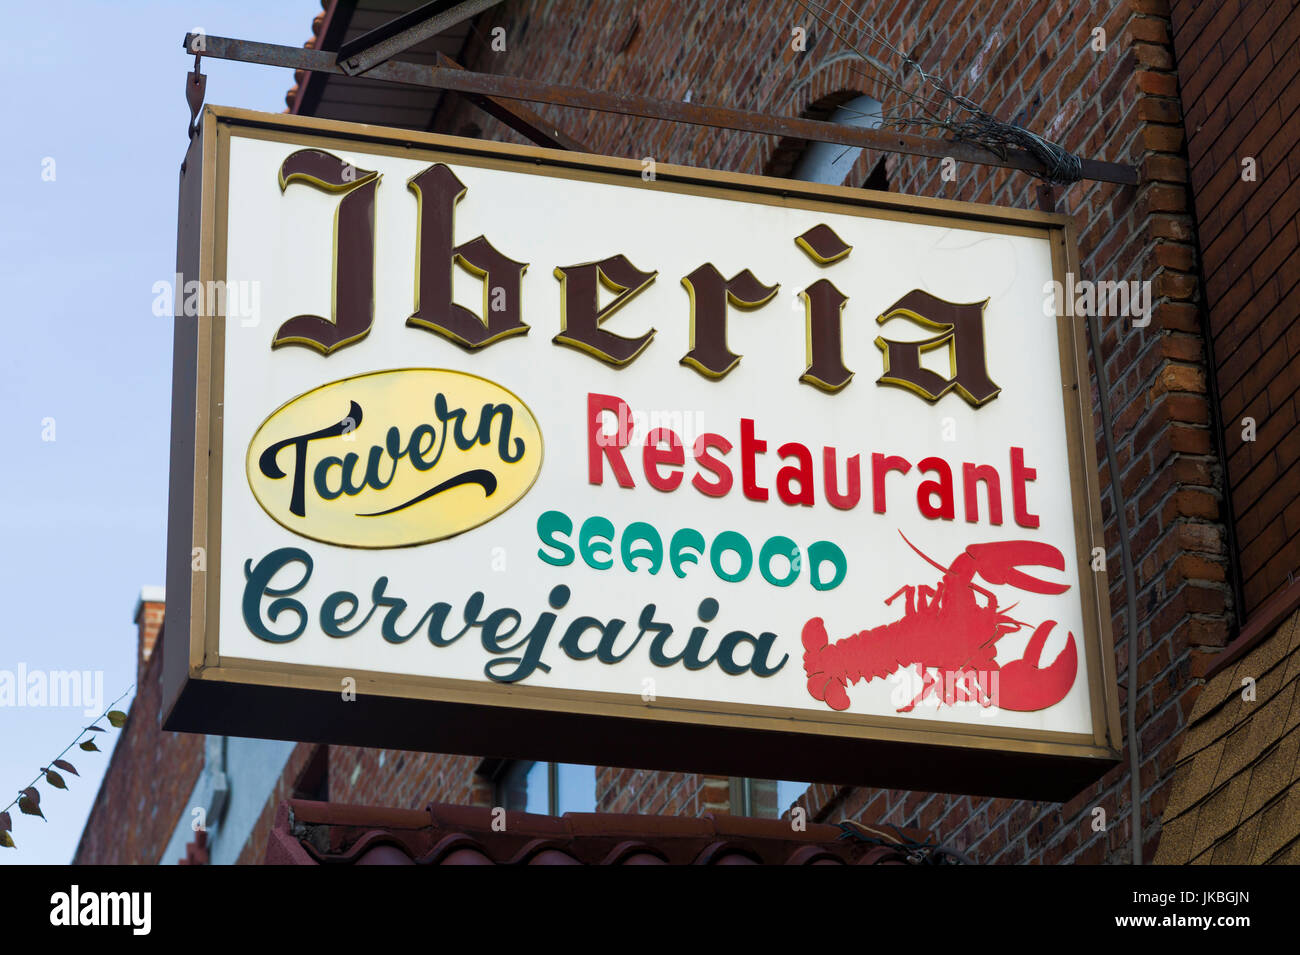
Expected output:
{"points": [[627, 104], [196, 85], [520, 118], [384, 42]]}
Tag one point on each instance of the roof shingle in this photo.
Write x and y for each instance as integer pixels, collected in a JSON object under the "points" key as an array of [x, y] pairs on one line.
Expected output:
{"points": [[1236, 795]]}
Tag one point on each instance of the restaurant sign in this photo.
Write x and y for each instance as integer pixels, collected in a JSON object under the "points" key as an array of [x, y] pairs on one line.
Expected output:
{"points": [[520, 453]]}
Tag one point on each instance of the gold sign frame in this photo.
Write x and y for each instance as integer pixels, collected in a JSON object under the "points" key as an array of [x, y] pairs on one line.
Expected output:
{"points": [[205, 692]]}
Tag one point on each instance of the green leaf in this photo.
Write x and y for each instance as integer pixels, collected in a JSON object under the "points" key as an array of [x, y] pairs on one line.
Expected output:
{"points": [[54, 779], [29, 803], [117, 718], [66, 766], [89, 746], [7, 840]]}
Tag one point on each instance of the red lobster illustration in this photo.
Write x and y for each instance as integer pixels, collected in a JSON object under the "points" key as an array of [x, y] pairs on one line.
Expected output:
{"points": [[946, 629]]}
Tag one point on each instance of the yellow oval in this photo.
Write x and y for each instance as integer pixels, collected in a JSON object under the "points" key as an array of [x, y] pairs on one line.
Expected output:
{"points": [[328, 464]]}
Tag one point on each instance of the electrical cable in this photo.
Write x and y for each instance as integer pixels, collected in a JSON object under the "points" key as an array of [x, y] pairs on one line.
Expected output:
{"points": [[1130, 589], [968, 122]]}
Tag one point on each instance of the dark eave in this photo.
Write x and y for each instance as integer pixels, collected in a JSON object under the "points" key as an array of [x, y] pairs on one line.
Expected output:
{"points": [[360, 100]]}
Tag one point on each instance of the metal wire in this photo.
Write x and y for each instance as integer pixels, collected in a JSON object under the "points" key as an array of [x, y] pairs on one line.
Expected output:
{"points": [[922, 99], [916, 853]]}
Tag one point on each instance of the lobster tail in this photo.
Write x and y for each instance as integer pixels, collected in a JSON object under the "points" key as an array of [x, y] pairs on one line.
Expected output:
{"points": [[821, 685], [814, 636]]}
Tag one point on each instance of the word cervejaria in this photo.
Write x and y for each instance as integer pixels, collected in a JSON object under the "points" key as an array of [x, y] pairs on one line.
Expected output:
{"points": [[959, 327]]}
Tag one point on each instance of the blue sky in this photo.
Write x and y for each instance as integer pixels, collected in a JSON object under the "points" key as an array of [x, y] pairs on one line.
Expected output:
{"points": [[99, 89]]}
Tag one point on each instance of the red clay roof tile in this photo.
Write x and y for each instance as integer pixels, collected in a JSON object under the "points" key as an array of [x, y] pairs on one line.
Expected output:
{"points": [[315, 833]]}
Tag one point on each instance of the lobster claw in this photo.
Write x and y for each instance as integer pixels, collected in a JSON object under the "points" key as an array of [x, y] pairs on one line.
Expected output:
{"points": [[997, 564], [1024, 686]]}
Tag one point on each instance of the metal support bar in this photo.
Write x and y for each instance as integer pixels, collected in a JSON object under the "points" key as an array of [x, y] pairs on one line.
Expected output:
{"points": [[516, 88], [519, 118], [384, 42], [195, 86]]}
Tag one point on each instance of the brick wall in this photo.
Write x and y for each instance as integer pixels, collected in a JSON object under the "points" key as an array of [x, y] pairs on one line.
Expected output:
{"points": [[286, 787], [404, 780], [1031, 62], [149, 621], [1240, 79], [1121, 104], [668, 794], [147, 785]]}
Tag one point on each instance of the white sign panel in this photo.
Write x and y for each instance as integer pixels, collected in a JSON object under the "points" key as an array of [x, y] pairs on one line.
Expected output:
{"points": [[665, 440]]}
